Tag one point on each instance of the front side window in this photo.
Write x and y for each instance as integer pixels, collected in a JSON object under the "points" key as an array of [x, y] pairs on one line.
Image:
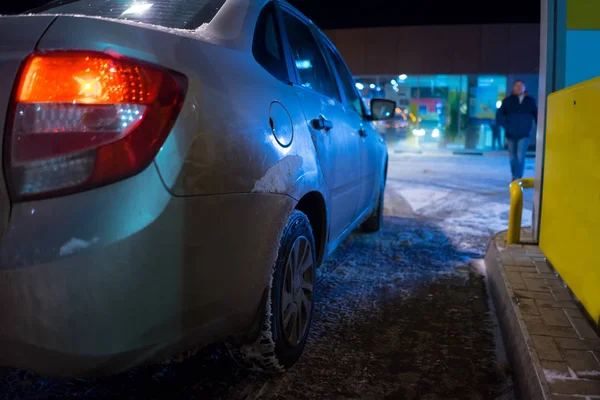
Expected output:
{"points": [[348, 85], [266, 45], [177, 14], [314, 71]]}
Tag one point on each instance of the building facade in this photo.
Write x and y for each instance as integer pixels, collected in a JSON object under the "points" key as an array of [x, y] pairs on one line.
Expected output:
{"points": [[447, 80]]}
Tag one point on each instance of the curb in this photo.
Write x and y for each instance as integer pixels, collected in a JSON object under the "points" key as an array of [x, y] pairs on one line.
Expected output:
{"points": [[468, 153], [459, 153], [528, 374]]}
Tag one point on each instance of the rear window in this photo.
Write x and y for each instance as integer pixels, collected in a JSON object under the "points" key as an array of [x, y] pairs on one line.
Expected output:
{"points": [[176, 14]]}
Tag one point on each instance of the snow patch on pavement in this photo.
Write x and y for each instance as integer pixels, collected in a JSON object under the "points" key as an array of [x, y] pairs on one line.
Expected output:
{"points": [[553, 376], [480, 267], [483, 218], [589, 373], [480, 221], [421, 198], [461, 215]]}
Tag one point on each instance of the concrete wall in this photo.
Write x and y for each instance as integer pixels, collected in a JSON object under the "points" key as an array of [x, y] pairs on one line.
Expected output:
{"points": [[448, 49]]}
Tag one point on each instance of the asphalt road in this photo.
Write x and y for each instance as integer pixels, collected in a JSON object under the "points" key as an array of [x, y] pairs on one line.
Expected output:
{"points": [[401, 314]]}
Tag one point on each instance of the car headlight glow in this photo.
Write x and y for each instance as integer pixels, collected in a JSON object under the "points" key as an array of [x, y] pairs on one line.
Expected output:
{"points": [[435, 133]]}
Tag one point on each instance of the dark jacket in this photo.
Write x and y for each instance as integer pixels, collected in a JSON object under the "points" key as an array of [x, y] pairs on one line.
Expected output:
{"points": [[517, 118]]}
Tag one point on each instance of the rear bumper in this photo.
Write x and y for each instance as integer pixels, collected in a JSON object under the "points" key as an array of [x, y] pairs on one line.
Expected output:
{"points": [[101, 281]]}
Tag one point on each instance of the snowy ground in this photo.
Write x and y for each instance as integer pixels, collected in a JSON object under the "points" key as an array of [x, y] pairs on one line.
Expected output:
{"points": [[467, 197], [401, 314]]}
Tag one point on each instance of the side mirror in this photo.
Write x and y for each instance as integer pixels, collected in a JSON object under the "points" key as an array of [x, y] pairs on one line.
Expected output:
{"points": [[382, 109]]}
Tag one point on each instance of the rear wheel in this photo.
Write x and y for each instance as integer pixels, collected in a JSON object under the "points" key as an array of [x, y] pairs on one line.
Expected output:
{"points": [[289, 306], [375, 221]]}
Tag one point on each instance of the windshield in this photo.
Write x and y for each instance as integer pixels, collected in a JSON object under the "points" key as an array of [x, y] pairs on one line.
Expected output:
{"points": [[178, 14]]}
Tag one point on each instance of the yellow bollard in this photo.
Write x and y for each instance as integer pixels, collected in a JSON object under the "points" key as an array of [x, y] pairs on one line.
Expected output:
{"points": [[516, 208]]}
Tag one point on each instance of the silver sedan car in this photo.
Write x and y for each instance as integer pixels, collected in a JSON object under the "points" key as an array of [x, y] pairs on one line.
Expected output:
{"points": [[175, 171]]}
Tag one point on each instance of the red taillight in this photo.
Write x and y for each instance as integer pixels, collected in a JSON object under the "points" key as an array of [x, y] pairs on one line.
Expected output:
{"points": [[84, 119]]}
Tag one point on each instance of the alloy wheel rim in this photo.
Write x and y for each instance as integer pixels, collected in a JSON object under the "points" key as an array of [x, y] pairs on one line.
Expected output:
{"points": [[297, 291]]}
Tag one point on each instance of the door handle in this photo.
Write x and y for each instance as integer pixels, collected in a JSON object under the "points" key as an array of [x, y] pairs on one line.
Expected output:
{"points": [[362, 132], [321, 123]]}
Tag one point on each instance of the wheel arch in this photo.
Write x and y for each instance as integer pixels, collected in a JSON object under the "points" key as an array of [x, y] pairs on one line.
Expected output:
{"points": [[313, 205]]}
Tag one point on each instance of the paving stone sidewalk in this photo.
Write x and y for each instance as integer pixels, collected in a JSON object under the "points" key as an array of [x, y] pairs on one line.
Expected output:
{"points": [[552, 345]]}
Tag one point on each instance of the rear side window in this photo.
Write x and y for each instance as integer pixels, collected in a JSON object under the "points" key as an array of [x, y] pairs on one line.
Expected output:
{"points": [[313, 70], [348, 85], [266, 45], [177, 14]]}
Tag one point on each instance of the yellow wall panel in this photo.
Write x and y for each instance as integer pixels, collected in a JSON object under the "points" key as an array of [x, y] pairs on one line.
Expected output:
{"points": [[583, 14], [570, 226]]}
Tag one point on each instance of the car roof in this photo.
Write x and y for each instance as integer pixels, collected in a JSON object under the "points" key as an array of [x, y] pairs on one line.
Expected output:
{"points": [[235, 22], [232, 26]]}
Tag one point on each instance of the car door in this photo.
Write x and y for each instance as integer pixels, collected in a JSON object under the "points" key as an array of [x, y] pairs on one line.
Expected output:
{"points": [[368, 138], [337, 143]]}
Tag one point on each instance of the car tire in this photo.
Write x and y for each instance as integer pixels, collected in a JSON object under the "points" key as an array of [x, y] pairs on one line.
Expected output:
{"points": [[289, 306], [375, 221]]}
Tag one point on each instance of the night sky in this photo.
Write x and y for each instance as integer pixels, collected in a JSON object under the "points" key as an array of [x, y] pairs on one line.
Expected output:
{"points": [[371, 13], [348, 14]]}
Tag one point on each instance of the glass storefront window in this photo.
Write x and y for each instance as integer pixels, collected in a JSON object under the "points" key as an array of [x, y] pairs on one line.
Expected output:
{"points": [[427, 116], [486, 93], [452, 112]]}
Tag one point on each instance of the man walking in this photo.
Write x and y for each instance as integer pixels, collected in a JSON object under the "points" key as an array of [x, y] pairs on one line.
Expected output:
{"points": [[496, 139], [516, 115]]}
